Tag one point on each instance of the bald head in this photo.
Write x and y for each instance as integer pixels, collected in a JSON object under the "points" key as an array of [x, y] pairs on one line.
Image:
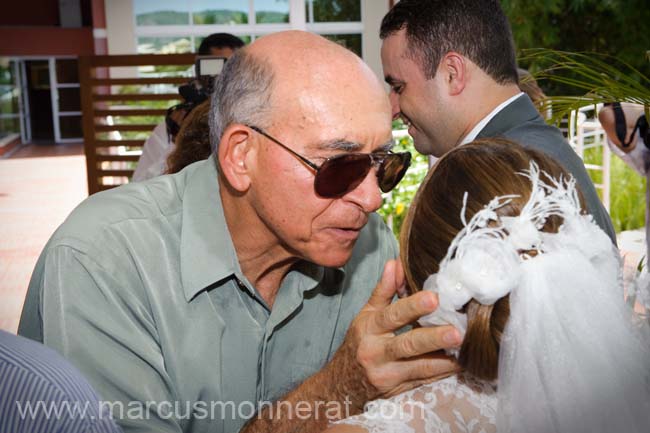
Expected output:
{"points": [[309, 69], [294, 75]]}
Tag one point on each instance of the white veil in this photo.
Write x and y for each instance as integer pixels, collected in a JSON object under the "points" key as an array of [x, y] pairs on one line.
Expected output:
{"points": [[572, 357]]}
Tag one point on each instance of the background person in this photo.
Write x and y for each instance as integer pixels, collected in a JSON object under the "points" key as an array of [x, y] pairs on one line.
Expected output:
{"points": [[529, 86], [40, 392], [192, 141], [628, 136], [453, 76], [160, 143]]}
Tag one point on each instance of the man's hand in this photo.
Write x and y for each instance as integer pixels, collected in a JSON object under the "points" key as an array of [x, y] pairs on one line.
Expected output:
{"points": [[374, 362]]}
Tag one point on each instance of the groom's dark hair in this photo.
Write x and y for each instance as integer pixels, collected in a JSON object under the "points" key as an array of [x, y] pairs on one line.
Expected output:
{"points": [[477, 29]]}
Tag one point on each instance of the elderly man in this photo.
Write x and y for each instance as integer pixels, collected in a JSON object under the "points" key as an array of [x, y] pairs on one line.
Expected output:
{"points": [[451, 67], [200, 296]]}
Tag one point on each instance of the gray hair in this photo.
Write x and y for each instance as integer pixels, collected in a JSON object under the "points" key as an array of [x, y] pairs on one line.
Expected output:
{"points": [[242, 94]]}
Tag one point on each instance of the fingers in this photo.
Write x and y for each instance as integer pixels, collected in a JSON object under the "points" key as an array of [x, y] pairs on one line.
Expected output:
{"points": [[423, 370], [429, 368], [396, 377], [385, 291], [404, 311], [421, 341]]}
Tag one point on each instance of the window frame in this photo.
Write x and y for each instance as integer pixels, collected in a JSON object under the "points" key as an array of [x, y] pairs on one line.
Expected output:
{"points": [[297, 21]]}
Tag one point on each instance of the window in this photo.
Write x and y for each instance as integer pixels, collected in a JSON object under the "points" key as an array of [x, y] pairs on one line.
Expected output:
{"points": [[161, 12], [64, 78], [228, 12], [352, 41], [337, 20], [173, 26], [9, 99], [337, 11], [165, 45], [271, 11]]}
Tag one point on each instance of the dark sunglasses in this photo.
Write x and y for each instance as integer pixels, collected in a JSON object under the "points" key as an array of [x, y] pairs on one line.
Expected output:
{"points": [[341, 174]]}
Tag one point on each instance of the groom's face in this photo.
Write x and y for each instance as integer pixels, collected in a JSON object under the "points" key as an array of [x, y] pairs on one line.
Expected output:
{"points": [[420, 102]]}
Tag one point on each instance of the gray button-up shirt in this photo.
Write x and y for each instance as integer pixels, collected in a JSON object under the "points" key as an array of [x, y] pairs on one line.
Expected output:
{"points": [[141, 289]]}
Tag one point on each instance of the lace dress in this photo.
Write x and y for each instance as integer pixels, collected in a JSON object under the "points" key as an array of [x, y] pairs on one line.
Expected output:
{"points": [[452, 405]]}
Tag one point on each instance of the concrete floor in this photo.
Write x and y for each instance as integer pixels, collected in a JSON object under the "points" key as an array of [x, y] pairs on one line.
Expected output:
{"points": [[39, 187]]}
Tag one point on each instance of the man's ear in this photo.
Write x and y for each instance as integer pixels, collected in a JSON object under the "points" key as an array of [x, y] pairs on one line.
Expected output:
{"points": [[234, 154], [454, 70]]}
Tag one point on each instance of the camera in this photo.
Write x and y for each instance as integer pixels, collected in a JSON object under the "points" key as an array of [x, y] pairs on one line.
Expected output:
{"points": [[195, 92], [199, 89]]}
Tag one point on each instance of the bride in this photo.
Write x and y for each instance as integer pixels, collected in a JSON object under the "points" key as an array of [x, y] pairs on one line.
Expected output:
{"points": [[498, 232]]}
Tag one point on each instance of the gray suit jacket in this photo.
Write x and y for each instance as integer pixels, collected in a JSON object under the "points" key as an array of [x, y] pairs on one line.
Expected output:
{"points": [[520, 122]]}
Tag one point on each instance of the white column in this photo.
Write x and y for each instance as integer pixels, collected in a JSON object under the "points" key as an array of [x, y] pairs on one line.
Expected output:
{"points": [[297, 15], [120, 27], [372, 12], [120, 33]]}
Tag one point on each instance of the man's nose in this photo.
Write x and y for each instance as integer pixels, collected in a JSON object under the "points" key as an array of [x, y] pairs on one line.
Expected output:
{"points": [[367, 195], [394, 104]]}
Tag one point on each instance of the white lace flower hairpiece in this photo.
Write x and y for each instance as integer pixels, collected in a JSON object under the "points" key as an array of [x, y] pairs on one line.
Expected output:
{"points": [[570, 357], [484, 260]]}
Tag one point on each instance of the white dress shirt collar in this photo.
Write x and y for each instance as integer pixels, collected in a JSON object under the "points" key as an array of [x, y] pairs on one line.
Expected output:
{"points": [[480, 125]]}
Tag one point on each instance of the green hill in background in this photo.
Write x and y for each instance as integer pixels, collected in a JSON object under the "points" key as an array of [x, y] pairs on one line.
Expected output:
{"points": [[208, 16], [162, 18]]}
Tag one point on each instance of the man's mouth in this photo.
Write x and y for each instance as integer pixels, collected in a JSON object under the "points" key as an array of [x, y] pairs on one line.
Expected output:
{"points": [[406, 120]]}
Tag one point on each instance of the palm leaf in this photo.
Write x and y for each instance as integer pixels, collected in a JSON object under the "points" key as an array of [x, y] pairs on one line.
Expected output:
{"points": [[602, 78]]}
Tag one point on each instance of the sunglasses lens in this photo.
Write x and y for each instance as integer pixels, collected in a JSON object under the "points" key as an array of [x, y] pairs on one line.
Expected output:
{"points": [[341, 174], [392, 170]]}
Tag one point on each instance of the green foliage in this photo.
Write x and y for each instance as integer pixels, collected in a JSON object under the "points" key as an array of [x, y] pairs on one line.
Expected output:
{"points": [[337, 10], [351, 42], [167, 45], [627, 191], [220, 16], [6, 73], [613, 27], [271, 17], [596, 78], [9, 126], [396, 202], [162, 18], [8, 100], [599, 78]]}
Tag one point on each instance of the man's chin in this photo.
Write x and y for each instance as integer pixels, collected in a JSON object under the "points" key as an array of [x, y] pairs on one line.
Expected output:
{"points": [[423, 148], [333, 259], [426, 147]]}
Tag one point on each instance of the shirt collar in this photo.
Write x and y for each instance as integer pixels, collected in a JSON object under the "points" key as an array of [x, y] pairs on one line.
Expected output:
{"points": [[480, 125], [207, 252]]}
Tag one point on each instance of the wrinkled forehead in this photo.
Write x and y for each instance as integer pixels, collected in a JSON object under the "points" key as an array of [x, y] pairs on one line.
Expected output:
{"points": [[339, 101]]}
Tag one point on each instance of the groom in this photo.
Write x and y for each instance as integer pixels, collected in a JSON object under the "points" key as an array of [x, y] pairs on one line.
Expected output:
{"points": [[453, 77]]}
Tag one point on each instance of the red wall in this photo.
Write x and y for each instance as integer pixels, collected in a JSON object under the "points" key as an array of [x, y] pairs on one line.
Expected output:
{"points": [[30, 13], [46, 41]]}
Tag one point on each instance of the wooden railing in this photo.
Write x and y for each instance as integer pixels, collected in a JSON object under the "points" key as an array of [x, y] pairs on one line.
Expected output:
{"points": [[112, 107]]}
